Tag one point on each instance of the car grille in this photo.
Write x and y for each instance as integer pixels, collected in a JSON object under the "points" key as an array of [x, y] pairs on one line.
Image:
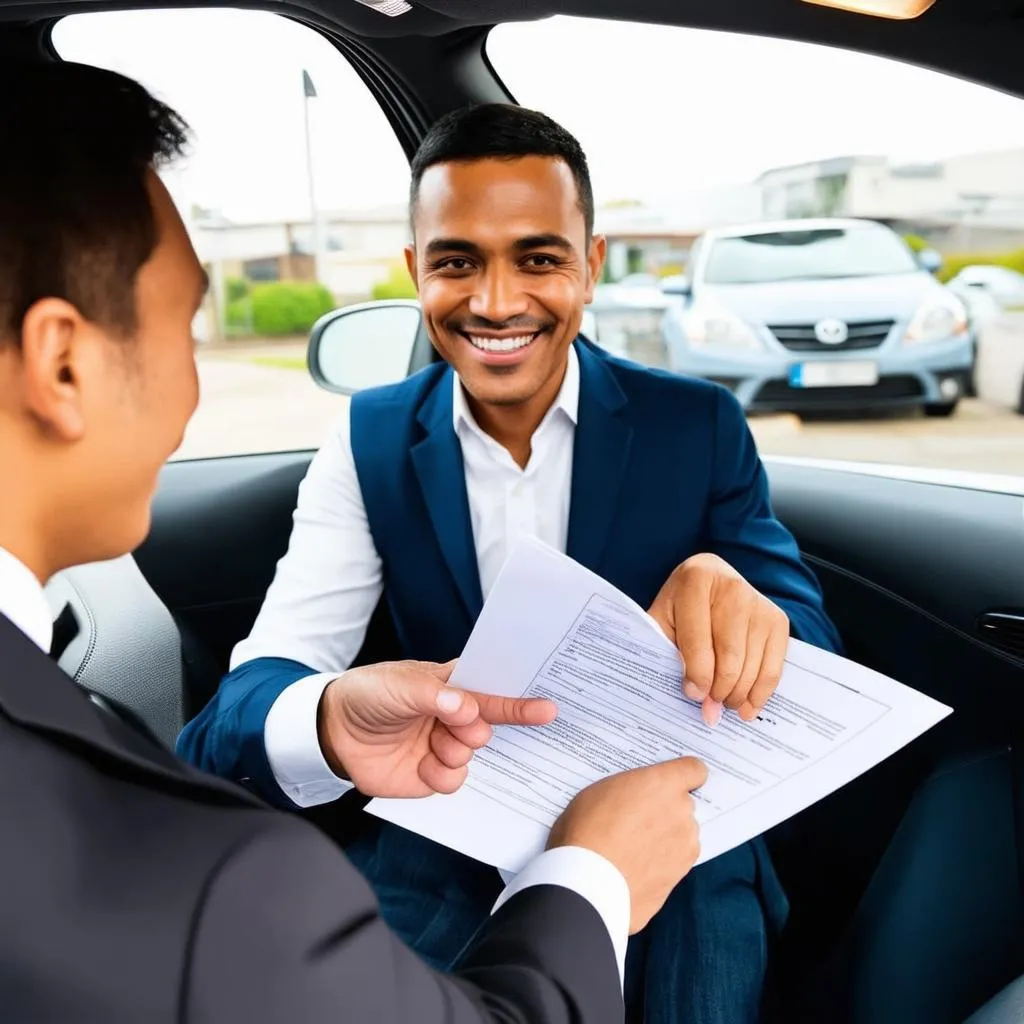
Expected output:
{"points": [[862, 335], [891, 389]]}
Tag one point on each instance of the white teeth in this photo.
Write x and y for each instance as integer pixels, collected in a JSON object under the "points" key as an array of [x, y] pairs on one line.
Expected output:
{"points": [[500, 344]]}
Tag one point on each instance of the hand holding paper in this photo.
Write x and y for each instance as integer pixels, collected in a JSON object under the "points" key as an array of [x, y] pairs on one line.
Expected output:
{"points": [[551, 628], [398, 729], [654, 803], [733, 639]]}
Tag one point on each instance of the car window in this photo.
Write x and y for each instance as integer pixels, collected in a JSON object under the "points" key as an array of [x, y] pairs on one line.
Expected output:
{"points": [[814, 254], [847, 330], [294, 194]]}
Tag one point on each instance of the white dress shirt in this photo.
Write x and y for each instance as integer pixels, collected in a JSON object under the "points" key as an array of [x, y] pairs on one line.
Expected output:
{"points": [[23, 602], [329, 582]]}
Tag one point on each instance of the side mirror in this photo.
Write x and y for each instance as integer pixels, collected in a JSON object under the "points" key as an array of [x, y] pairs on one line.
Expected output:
{"points": [[365, 345], [930, 260]]}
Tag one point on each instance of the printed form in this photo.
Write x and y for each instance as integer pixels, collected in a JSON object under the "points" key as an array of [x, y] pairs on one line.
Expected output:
{"points": [[551, 628]]}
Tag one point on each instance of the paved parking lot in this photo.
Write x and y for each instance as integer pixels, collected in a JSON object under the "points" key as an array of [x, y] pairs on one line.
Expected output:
{"points": [[260, 399]]}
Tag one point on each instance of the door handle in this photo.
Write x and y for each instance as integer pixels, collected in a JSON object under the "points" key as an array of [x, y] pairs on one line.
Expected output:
{"points": [[1004, 630]]}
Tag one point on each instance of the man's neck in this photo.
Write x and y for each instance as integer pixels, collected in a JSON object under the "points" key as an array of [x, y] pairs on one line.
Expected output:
{"points": [[15, 545], [513, 426]]}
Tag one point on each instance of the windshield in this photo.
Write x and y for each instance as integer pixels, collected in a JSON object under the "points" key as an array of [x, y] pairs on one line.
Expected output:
{"points": [[807, 255]]}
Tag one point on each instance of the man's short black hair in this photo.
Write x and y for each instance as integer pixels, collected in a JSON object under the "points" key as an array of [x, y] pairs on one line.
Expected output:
{"points": [[502, 131], [76, 220]]}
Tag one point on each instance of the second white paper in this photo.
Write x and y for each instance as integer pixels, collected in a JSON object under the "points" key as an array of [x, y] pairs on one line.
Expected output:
{"points": [[551, 628]]}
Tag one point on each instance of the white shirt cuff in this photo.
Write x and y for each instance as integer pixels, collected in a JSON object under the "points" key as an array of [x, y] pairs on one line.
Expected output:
{"points": [[293, 746], [590, 875]]}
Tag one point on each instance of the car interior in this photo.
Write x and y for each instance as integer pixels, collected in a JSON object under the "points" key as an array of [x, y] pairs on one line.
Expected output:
{"points": [[923, 576]]}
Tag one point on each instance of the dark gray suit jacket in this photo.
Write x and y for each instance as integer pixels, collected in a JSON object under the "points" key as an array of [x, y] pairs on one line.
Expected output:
{"points": [[135, 889]]}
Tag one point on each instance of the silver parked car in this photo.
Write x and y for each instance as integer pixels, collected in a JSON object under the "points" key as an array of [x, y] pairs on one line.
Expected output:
{"points": [[820, 314]]}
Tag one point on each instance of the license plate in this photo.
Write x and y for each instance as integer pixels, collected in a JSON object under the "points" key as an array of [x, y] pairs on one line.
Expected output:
{"points": [[828, 374]]}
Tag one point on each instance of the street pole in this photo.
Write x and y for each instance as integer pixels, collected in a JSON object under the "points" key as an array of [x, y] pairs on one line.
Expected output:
{"points": [[309, 93]]}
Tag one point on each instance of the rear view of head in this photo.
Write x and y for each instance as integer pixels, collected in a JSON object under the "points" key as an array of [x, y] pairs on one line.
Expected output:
{"points": [[98, 288], [503, 253]]}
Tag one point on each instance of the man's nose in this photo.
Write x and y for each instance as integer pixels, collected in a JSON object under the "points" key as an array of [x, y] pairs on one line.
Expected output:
{"points": [[499, 296]]}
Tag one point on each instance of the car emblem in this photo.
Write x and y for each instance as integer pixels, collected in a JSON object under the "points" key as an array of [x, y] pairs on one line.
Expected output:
{"points": [[831, 332]]}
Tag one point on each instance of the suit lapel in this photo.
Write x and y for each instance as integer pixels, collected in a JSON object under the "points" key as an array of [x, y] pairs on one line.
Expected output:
{"points": [[37, 695], [437, 460], [604, 437]]}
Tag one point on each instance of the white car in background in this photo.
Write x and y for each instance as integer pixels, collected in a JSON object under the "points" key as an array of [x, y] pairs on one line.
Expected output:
{"points": [[1002, 285]]}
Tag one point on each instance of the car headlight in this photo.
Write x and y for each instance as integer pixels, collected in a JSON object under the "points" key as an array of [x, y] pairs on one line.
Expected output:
{"points": [[937, 319], [719, 330]]}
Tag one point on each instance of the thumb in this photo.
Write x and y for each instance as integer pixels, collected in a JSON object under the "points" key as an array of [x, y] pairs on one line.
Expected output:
{"points": [[693, 772], [428, 695]]}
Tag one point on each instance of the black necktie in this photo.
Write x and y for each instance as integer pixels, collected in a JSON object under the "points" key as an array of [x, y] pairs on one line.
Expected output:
{"points": [[65, 629]]}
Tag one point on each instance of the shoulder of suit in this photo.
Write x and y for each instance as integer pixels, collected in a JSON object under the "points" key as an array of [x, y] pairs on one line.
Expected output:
{"points": [[666, 393]]}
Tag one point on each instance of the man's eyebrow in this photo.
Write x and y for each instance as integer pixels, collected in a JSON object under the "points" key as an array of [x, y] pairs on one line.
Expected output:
{"points": [[543, 241], [550, 241], [436, 246]]}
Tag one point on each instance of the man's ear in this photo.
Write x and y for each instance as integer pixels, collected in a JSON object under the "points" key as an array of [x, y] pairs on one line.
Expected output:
{"points": [[595, 263], [410, 264], [52, 342]]}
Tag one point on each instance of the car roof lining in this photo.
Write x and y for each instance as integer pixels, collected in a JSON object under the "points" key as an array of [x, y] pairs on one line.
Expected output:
{"points": [[974, 39], [978, 40]]}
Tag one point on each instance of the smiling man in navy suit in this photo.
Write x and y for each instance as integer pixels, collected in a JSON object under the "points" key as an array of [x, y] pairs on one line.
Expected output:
{"points": [[651, 480]]}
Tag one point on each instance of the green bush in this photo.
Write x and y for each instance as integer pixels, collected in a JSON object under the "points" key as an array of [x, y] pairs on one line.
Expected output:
{"points": [[284, 307], [398, 285], [953, 263], [236, 288], [238, 315]]}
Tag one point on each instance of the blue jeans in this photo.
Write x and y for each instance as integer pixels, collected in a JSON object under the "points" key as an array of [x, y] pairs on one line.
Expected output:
{"points": [[701, 960]]}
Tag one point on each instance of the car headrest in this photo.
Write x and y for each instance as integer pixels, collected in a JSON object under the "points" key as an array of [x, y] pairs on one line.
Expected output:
{"points": [[127, 647]]}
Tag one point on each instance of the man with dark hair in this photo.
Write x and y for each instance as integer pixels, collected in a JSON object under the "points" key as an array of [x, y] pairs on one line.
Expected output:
{"points": [[506, 133], [135, 888], [651, 480]]}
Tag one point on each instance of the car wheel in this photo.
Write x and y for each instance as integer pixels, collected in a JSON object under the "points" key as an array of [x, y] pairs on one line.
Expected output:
{"points": [[941, 410]]}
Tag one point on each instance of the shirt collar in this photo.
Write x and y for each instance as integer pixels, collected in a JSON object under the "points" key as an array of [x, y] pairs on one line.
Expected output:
{"points": [[567, 401], [23, 602]]}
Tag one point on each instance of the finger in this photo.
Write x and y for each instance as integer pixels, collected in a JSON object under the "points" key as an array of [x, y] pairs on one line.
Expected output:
{"points": [[475, 735], [515, 710], [424, 694], [772, 664], [450, 751], [757, 639], [439, 777], [711, 711], [693, 637], [730, 626], [692, 771]]}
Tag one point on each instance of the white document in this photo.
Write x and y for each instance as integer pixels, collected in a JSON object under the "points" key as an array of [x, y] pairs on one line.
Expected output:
{"points": [[552, 628]]}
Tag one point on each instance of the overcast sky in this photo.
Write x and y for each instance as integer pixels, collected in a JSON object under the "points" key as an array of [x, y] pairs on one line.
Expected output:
{"points": [[659, 111]]}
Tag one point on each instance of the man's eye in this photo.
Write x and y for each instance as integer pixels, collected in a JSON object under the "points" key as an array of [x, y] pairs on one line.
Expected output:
{"points": [[455, 263], [540, 259]]}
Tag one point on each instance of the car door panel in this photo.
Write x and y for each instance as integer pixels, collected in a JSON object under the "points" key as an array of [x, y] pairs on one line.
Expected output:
{"points": [[219, 528], [940, 553]]}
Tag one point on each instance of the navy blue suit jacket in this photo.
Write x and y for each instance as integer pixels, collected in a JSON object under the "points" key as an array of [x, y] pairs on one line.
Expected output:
{"points": [[664, 467]]}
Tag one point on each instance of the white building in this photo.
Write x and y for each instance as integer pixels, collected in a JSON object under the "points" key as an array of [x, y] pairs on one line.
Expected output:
{"points": [[953, 199]]}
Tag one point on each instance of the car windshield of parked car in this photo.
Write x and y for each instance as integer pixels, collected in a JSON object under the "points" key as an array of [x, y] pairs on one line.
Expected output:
{"points": [[806, 255]]}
